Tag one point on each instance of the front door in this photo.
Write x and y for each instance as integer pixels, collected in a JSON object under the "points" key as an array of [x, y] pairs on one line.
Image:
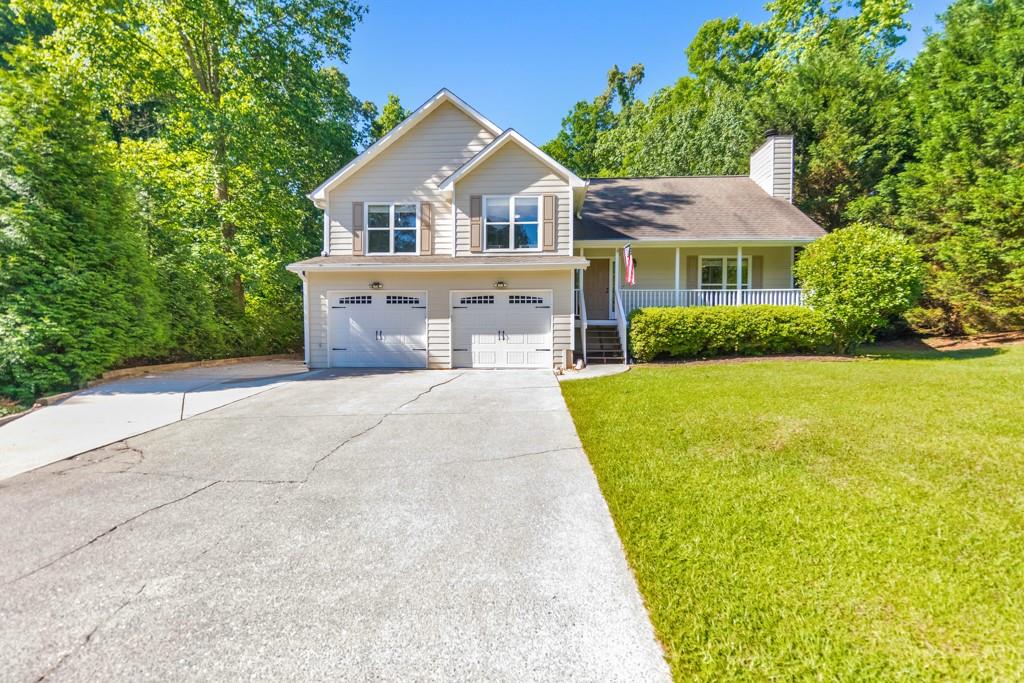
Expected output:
{"points": [[595, 289]]}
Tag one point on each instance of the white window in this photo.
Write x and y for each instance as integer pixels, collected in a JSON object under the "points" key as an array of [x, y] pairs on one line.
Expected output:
{"points": [[719, 272], [511, 223], [392, 228]]}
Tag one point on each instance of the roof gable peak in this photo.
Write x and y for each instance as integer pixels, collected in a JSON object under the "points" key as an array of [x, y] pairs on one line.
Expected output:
{"points": [[442, 96]]}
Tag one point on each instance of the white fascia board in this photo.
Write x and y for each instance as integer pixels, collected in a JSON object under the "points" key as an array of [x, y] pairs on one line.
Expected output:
{"points": [[745, 242], [435, 267], [319, 195], [511, 135]]}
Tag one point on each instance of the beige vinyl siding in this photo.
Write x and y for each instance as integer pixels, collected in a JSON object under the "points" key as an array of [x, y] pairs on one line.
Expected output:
{"points": [[656, 265], [762, 165], [410, 170], [438, 287], [513, 170], [771, 167]]}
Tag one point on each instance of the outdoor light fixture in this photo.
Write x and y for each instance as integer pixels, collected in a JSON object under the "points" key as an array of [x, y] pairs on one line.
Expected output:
{"points": [[500, 284], [376, 285]]}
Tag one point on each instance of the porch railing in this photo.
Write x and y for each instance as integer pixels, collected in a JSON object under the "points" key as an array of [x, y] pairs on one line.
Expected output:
{"points": [[643, 298], [581, 315]]}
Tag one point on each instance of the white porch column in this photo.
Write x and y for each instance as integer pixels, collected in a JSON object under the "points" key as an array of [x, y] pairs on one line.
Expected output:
{"points": [[617, 283], [677, 276], [792, 258], [739, 275]]}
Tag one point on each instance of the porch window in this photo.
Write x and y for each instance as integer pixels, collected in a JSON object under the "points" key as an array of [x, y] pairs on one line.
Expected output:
{"points": [[392, 228], [511, 223], [719, 272]]}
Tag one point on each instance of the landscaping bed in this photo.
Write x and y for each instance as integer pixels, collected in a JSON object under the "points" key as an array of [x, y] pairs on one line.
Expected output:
{"points": [[794, 519]]}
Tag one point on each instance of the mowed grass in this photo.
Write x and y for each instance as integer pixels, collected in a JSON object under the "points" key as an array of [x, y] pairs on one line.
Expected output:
{"points": [[793, 520]]}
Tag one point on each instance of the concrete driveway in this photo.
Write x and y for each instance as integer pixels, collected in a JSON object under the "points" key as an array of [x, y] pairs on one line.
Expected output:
{"points": [[405, 525], [117, 410]]}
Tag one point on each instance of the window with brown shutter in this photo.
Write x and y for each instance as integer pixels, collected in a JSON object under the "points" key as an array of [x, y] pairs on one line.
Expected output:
{"points": [[550, 221]]}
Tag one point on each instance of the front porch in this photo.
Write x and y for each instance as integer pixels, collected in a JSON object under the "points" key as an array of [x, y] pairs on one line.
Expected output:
{"points": [[707, 274]]}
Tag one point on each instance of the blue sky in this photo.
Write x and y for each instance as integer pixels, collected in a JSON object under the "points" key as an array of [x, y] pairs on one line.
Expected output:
{"points": [[524, 64]]}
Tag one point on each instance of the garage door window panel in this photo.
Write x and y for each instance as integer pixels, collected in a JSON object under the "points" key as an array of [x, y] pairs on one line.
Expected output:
{"points": [[392, 228]]}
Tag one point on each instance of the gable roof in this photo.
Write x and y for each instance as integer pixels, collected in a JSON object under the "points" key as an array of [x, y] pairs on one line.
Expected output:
{"points": [[510, 135], [319, 195], [689, 208]]}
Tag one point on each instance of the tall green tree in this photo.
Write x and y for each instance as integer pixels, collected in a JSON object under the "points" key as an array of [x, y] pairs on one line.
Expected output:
{"points": [[77, 291], [576, 145], [825, 72], [391, 114], [962, 198], [247, 118]]}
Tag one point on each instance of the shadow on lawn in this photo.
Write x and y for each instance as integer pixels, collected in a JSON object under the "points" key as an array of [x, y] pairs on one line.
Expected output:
{"points": [[917, 349]]}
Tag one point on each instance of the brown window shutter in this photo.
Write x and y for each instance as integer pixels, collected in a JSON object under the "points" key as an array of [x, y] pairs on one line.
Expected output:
{"points": [[692, 272], [475, 219], [757, 272], [426, 228], [357, 228], [550, 222]]}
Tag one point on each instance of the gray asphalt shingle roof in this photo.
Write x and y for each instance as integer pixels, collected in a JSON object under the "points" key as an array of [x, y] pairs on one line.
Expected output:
{"points": [[694, 207]]}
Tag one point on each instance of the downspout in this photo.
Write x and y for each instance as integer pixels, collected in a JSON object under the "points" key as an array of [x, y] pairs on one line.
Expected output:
{"points": [[305, 318]]}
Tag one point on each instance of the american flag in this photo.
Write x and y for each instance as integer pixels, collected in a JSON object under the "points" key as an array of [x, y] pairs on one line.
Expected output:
{"points": [[627, 255]]}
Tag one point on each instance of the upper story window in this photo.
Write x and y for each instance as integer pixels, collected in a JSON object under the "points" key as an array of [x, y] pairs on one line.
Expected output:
{"points": [[511, 223], [392, 228], [719, 272]]}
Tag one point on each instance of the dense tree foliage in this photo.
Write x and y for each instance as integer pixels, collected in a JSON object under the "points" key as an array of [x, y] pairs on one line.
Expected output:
{"points": [[224, 115], [391, 114], [962, 196], [932, 149], [77, 291]]}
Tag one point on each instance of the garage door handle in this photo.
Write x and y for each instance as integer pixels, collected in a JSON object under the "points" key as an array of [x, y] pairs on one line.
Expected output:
{"points": [[542, 307], [337, 349], [419, 306], [542, 349]]}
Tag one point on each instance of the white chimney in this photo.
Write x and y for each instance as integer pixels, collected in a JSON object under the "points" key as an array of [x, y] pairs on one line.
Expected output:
{"points": [[771, 165]]}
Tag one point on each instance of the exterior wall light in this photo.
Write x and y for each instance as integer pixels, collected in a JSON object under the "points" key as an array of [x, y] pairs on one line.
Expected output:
{"points": [[376, 285], [500, 284]]}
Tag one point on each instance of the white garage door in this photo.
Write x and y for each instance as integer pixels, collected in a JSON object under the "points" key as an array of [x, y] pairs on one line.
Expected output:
{"points": [[378, 329], [501, 329]]}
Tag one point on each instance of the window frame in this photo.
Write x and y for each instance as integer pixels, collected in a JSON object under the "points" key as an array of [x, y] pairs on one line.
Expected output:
{"points": [[512, 222], [391, 228], [724, 285]]}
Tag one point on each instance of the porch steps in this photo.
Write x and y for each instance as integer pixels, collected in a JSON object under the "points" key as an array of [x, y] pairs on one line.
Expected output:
{"points": [[603, 345]]}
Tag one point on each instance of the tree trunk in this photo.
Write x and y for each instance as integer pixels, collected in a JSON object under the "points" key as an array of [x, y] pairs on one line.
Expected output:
{"points": [[227, 228]]}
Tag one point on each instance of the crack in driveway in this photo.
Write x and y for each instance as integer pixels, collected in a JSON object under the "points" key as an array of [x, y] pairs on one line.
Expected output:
{"points": [[89, 636], [208, 483], [108, 532]]}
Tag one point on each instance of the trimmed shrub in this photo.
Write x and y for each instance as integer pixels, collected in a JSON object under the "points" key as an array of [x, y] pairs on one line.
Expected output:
{"points": [[701, 332], [860, 278]]}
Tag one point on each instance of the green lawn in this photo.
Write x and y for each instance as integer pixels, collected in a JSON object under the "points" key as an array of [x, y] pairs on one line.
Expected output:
{"points": [[791, 520]]}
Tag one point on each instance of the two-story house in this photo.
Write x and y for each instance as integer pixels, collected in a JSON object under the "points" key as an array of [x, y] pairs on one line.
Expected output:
{"points": [[453, 243]]}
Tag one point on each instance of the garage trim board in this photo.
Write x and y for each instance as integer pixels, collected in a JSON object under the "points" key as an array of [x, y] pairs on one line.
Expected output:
{"points": [[501, 328], [377, 328]]}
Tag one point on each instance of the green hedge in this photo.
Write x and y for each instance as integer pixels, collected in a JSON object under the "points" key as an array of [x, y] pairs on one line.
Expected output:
{"points": [[701, 332]]}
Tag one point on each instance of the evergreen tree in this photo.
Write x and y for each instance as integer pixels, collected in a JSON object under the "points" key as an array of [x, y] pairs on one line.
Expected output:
{"points": [[77, 292]]}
